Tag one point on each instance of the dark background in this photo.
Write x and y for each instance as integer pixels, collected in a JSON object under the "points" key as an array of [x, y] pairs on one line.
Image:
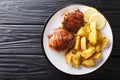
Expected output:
{"points": [[21, 54]]}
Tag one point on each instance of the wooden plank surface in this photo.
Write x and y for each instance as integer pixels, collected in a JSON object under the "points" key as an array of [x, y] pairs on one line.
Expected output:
{"points": [[37, 11], [20, 39], [21, 25]]}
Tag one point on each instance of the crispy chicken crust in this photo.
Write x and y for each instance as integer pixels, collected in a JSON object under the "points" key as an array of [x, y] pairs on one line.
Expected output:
{"points": [[72, 20], [60, 39]]}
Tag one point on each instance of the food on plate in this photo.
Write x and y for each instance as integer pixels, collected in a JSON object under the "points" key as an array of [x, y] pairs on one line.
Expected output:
{"points": [[92, 15], [96, 56], [60, 39], [68, 56], [76, 59], [99, 19], [104, 41], [99, 36], [92, 26], [88, 52], [93, 37], [83, 43], [88, 12], [98, 47], [89, 45], [77, 43], [72, 20], [88, 63], [81, 32], [82, 39], [87, 28]]}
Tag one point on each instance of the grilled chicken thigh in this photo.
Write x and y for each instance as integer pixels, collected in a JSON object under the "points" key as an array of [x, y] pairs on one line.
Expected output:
{"points": [[72, 20], [60, 39]]}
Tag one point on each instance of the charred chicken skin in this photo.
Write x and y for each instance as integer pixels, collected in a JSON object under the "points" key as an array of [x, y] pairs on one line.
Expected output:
{"points": [[72, 20], [60, 39]]}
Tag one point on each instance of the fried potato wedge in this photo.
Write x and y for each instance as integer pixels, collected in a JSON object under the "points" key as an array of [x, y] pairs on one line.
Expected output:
{"points": [[87, 28], [88, 52], [77, 43], [88, 63], [83, 43], [104, 41], [93, 37], [68, 57], [81, 32], [96, 56], [76, 59]]}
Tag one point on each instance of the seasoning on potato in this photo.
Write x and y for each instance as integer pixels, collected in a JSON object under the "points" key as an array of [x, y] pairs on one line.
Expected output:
{"points": [[88, 63], [96, 56], [69, 56], [76, 60], [88, 53]]}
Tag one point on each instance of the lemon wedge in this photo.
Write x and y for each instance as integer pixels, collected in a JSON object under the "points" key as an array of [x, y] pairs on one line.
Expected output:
{"points": [[88, 12], [99, 19]]}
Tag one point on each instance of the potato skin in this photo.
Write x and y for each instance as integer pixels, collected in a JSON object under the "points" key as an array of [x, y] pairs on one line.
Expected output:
{"points": [[89, 45], [88, 63], [87, 29], [96, 56], [104, 41], [88, 52], [68, 57], [93, 37], [76, 60], [77, 43], [81, 32], [98, 47], [83, 43]]}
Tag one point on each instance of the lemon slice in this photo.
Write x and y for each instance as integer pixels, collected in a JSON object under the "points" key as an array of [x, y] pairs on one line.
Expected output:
{"points": [[99, 19], [88, 12]]}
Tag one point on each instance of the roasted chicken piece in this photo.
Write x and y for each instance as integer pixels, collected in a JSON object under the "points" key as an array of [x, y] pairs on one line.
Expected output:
{"points": [[72, 20], [60, 39]]}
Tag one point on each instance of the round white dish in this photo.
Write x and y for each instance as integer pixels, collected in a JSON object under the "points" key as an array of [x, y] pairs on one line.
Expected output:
{"points": [[58, 59]]}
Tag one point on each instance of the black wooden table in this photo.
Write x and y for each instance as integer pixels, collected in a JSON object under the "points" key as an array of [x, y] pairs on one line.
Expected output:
{"points": [[21, 54]]}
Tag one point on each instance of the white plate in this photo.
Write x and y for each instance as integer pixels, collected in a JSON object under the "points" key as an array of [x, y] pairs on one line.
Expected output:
{"points": [[57, 59]]}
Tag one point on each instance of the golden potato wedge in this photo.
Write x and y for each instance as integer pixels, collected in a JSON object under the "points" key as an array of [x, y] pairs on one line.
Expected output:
{"points": [[93, 26], [88, 63], [104, 41], [93, 37], [98, 47], [68, 57], [76, 59], [81, 32], [88, 52], [77, 43], [99, 35], [78, 53], [87, 28], [83, 43], [96, 56]]}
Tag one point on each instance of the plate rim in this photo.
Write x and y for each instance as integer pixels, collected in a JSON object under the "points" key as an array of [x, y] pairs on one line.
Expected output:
{"points": [[45, 24]]}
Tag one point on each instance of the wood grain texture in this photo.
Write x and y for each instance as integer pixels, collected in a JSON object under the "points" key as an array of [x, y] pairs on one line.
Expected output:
{"points": [[37, 11], [21, 54], [22, 39]]}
